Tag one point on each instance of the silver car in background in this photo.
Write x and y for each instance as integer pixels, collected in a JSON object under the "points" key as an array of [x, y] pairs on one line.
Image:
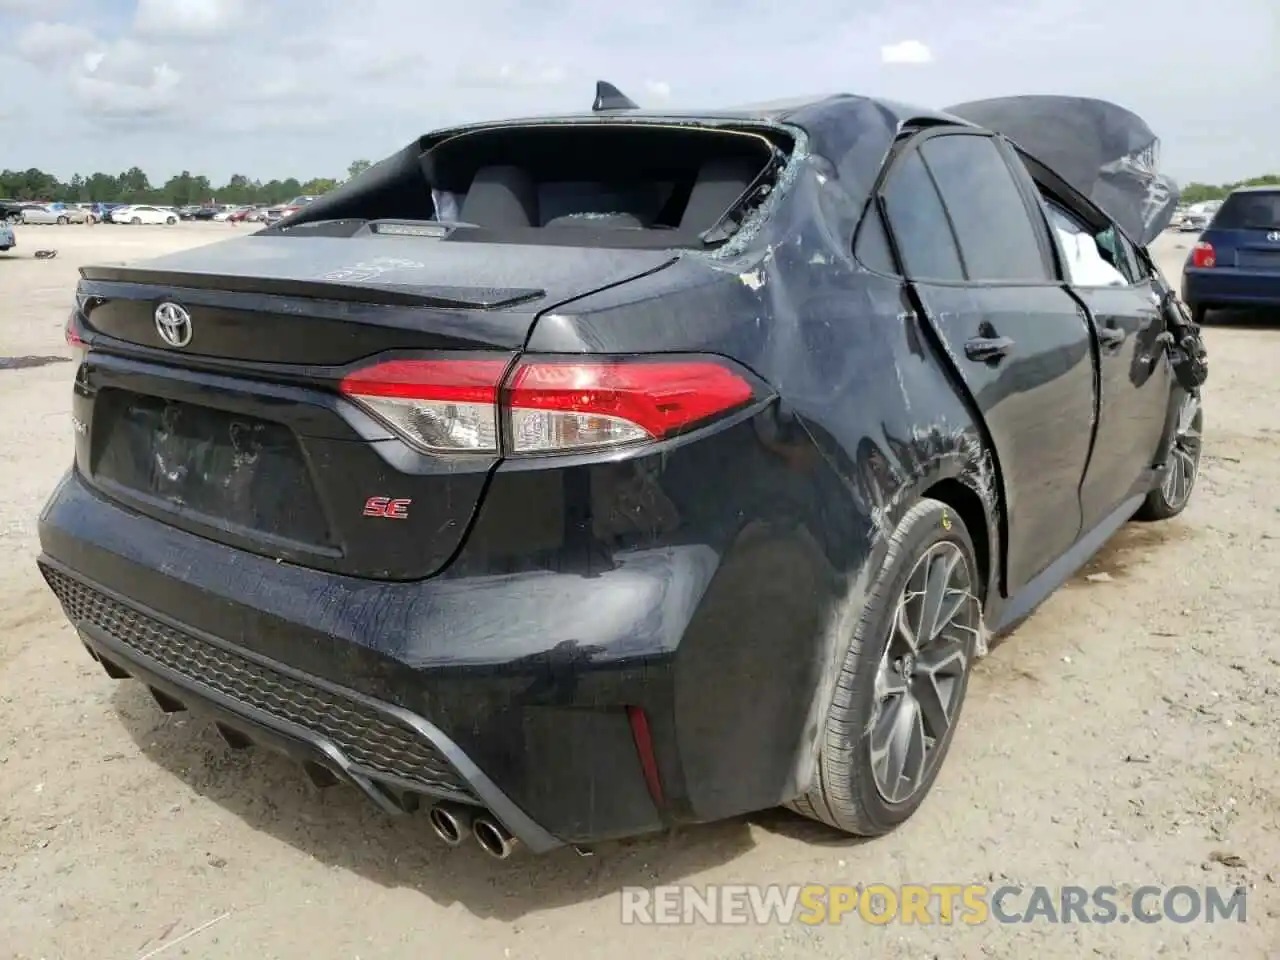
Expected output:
{"points": [[49, 213]]}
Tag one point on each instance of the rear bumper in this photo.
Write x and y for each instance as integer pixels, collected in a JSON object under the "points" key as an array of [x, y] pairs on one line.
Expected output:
{"points": [[1229, 287], [389, 754], [509, 685]]}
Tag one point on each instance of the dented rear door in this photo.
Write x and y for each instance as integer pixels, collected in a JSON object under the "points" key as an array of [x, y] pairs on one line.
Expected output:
{"points": [[1014, 336]]}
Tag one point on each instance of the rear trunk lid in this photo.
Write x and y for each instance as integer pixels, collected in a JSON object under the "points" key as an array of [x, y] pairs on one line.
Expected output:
{"points": [[209, 397], [1245, 233]]}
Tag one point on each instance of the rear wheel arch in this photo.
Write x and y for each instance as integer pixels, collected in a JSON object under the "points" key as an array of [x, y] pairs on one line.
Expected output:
{"points": [[968, 505]]}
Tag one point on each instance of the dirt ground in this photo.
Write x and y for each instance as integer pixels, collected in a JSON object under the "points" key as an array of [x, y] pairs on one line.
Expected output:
{"points": [[1125, 735]]}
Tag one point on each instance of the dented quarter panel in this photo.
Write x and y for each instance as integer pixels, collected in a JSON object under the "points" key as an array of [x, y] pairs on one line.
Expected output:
{"points": [[867, 419]]}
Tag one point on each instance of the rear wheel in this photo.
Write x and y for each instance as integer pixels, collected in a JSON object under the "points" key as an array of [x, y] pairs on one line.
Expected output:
{"points": [[171, 221], [63, 221], [1172, 496], [899, 692], [1198, 312]]}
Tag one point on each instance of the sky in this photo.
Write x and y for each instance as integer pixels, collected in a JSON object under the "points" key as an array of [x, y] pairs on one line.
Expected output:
{"points": [[280, 88]]}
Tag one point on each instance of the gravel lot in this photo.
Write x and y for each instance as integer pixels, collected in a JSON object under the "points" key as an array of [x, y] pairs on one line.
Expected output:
{"points": [[1125, 735]]}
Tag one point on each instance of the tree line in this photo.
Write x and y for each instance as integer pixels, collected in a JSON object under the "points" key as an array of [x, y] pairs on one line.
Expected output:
{"points": [[1200, 192], [185, 189]]}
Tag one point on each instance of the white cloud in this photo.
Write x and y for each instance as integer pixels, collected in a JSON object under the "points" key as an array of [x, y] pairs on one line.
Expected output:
{"points": [[53, 42], [511, 76], [188, 19], [657, 89], [123, 79], [300, 87], [31, 6], [108, 98], [908, 51]]}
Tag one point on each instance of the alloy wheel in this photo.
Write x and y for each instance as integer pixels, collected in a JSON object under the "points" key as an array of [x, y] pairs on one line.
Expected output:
{"points": [[920, 679], [1184, 464]]}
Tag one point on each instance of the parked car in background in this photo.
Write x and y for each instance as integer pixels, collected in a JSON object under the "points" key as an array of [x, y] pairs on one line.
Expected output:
{"points": [[276, 214], [668, 505], [1236, 262], [143, 213], [8, 239], [34, 213], [1193, 222], [9, 210], [241, 214]]}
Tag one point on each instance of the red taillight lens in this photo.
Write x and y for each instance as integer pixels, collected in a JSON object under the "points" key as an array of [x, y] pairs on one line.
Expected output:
{"points": [[554, 405], [561, 406], [1202, 255], [71, 332], [440, 406]]}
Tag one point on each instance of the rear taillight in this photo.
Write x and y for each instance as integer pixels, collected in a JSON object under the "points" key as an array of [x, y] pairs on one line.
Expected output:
{"points": [[1202, 255], [440, 406], [71, 332], [569, 405], [547, 405]]}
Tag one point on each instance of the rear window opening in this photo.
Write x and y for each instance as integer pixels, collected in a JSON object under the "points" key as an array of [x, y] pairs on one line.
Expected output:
{"points": [[1252, 210], [590, 184]]}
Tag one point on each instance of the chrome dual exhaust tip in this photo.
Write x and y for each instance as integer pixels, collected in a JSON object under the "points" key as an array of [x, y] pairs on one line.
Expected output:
{"points": [[451, 822], [454, 822], [494, 839]]}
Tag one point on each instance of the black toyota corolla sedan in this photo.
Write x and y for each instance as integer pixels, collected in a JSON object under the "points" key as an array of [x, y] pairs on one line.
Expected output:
{"points": [[577, 477]]}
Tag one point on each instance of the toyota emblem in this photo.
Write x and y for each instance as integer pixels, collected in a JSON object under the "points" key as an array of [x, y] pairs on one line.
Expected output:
{"points": [[1274, 236], [173, 323]]}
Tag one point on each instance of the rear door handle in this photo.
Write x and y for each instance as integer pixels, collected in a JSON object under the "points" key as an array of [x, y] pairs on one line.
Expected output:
{"points": [[1111, 337], [988, 349]]}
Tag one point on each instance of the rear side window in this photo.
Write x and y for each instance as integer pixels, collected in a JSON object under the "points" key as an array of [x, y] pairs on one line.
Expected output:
{"points": [[1249, 211], [919, 223], [998, 239]]}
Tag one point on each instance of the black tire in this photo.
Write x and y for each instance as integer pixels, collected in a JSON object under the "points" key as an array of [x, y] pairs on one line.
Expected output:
{"points": [[1198, 313], [1172, 496], [63, 221], [845, 793], [171, 221], [136, 221]]}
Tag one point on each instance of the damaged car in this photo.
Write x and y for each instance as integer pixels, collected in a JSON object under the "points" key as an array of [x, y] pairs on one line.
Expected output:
{"points": [[578, 477]]}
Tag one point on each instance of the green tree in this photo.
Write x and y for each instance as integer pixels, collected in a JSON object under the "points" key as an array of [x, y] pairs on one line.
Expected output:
{"points": [[134, 185], [357, 167], [318, 186]]}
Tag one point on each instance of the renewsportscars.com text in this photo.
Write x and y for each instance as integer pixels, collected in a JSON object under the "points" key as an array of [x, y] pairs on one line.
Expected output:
{"points": [[939, 903]]}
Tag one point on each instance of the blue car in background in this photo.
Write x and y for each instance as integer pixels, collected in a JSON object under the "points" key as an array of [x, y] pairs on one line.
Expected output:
{"points": [[7, 239], [1236, 263]]}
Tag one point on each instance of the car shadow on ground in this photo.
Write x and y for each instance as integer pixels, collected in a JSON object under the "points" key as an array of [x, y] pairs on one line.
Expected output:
{"points": [[339, 828]]}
